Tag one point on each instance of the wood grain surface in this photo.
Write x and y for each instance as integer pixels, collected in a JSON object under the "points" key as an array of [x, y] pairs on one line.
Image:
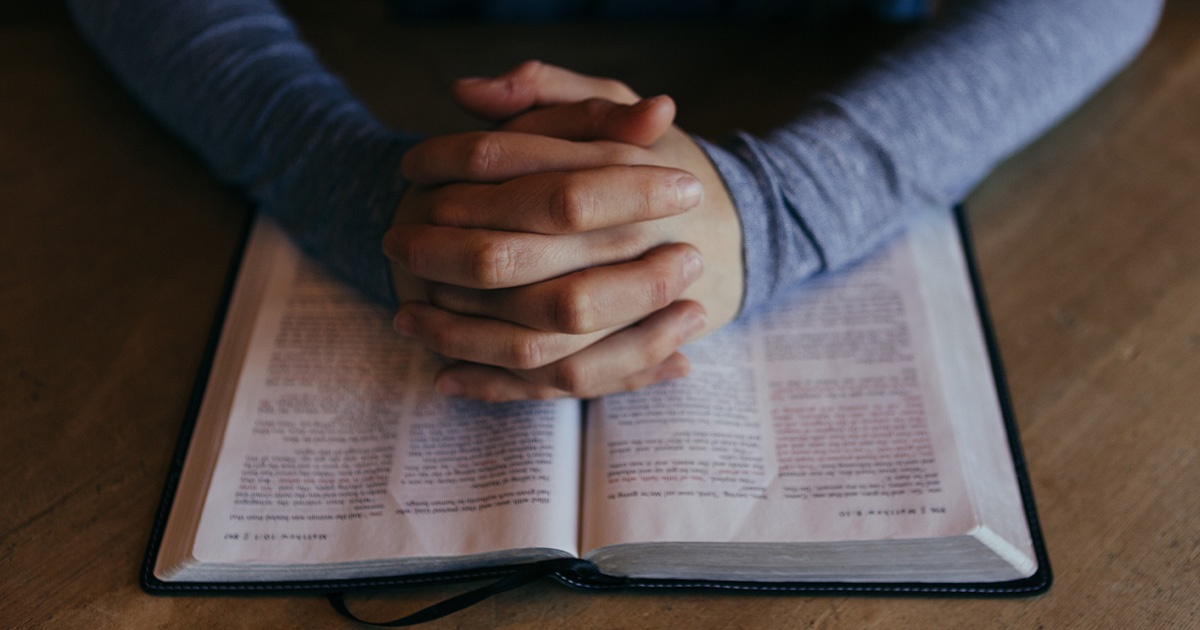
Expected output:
{"points": [[115, 243]]}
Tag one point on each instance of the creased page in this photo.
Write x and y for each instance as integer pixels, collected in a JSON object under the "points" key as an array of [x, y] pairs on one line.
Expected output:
{"points": [[819, 420], [337, 452]]}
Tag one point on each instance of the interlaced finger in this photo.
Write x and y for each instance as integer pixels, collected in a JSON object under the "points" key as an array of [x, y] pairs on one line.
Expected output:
{"points": [[593, 299], [567, 202], [496, 156]]}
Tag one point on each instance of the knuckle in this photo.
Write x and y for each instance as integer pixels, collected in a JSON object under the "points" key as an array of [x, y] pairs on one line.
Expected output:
{"points": [[574, 206], [661, 291], [596, 116], [571, 377], [528, 352], [651, 198], [572, 311], [494, 263], [483, 154], [596, 112]]}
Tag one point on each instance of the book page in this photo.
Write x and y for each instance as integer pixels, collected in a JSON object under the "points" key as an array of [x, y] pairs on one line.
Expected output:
{"points": [[823, 419], [336, 452]]}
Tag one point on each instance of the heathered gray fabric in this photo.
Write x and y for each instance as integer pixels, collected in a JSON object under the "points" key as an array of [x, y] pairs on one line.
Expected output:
{"points": [[234, 80], [922, 125]]}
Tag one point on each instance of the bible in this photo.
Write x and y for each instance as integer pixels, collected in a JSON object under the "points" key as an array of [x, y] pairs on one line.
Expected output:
{"points": [[853, 437]]}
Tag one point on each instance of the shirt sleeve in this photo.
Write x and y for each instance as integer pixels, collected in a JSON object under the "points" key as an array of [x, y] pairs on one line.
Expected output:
{"points": [[234, 80], [920, 126]]}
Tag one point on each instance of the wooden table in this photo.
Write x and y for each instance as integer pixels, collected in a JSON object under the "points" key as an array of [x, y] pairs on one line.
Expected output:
{"points": [[115, 243]]}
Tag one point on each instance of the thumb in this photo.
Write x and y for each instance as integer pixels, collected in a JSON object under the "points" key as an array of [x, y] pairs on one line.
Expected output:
{"points": [[534, 84], [642, 123]]}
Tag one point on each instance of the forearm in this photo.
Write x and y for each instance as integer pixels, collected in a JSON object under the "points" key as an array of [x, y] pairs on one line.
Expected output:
{"points": [[234, 80], [921, 126]]}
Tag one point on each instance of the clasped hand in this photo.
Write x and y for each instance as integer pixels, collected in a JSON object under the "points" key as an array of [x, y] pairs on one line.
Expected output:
{"points": [[569, 252]]}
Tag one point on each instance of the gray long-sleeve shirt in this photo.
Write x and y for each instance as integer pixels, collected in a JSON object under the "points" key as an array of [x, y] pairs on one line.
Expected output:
{"points": [[921, 125]]}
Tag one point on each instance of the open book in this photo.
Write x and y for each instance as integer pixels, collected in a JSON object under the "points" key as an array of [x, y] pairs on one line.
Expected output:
{"points": [[851, 437]]}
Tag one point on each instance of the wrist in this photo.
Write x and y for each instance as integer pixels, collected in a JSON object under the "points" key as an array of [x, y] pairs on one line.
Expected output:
{"points": [[771, 252], [339, 201]]}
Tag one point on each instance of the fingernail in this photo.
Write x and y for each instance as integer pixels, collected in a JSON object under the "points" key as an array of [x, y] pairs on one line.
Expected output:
{"points": [[689, 191], [693, 266], [447, 386], [471, 80], [405, 324], [693, 325]]}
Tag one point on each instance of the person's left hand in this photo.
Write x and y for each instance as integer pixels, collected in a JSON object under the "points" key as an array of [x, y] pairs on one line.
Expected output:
{"points": [[571, 322]]}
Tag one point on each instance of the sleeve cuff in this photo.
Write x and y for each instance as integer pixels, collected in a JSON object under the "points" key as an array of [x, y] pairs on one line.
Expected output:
{"points": [[774, 249]]}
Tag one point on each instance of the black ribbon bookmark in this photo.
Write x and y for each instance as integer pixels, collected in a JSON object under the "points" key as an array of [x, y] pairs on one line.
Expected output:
{"points": [[524, 575]]}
